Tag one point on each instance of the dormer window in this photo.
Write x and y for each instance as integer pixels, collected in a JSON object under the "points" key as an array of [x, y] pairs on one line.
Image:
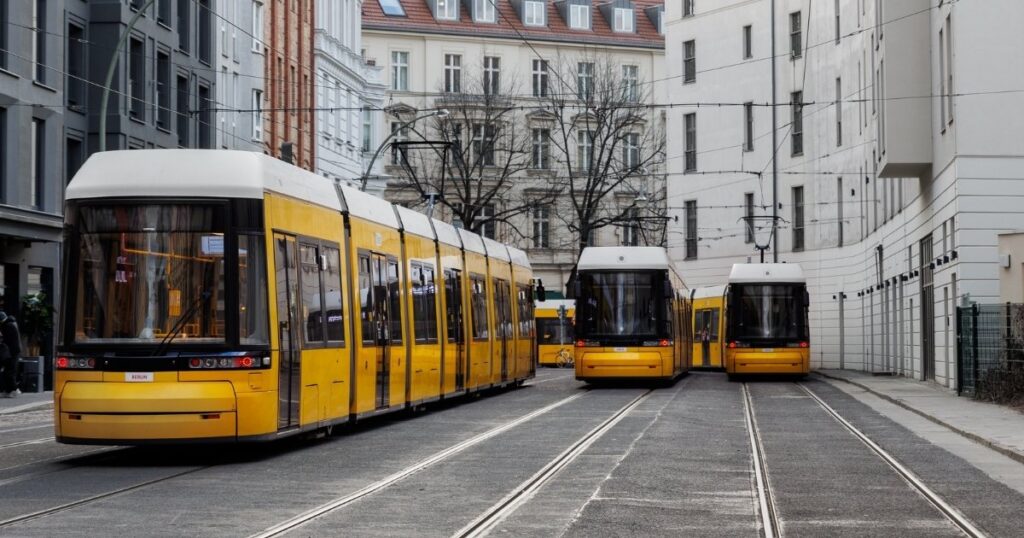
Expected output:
{"points": [[623, 20], [483, 10], [579, 17], [446, 10], [533, 13]]}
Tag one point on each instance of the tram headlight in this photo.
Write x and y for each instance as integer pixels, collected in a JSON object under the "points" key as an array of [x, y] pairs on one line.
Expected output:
{"points": [[245, 362], [75, 363]]}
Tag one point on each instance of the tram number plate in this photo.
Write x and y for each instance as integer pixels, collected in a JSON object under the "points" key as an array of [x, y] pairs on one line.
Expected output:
{"points": [[619, 349], [138, 377], [767, 350]]}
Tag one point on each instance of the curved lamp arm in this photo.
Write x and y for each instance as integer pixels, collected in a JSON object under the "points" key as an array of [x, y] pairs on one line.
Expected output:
{"points": [[366, 175]]}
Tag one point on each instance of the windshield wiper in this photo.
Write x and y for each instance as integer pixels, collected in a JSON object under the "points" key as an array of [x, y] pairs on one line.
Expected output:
{"points": [[177, 328]]}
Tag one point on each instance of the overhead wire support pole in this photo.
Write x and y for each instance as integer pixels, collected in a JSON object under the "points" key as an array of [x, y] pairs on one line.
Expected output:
{"points": [[110, 71], [775, 152]]}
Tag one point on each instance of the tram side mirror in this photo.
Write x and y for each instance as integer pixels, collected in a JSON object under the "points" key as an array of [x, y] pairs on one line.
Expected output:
{"points": [[668, 291], [807, 299], [541, 292]]}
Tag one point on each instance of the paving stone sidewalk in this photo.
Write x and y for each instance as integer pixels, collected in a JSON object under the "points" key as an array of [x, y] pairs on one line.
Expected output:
{"points": [[998, 427]]}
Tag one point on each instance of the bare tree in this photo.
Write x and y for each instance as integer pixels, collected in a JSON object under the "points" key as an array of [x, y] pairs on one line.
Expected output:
{"points": [[489, 149], [611, 146]]}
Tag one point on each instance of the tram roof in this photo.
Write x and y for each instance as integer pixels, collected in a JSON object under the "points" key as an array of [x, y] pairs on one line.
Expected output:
{"points": [[496, 250], [472, 242], [748, 273], [625, 258], [369, 207], [554, 304], [196, 173], [414, 222], [446, 233], [518, 257]]}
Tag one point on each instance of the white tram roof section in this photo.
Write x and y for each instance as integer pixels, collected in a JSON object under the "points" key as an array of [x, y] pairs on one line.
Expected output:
{"points": [[496, 250], [200, 173], [555, 304], [369, 207], [518, 257], [708, 292], [472, 242], [414, 222], [623, 258], [446, 233], [752, 273]]}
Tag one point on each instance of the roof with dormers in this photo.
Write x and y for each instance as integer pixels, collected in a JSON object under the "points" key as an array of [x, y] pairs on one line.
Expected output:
{"points": [[419, 18]]}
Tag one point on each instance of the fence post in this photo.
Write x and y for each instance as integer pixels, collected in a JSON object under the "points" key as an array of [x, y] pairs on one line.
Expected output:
{"points": [[974, 348]]}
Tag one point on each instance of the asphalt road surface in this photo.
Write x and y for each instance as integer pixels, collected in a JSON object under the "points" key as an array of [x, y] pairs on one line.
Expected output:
{"points": [[703, 457]]}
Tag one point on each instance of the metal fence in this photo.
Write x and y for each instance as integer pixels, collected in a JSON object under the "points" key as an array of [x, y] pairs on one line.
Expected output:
{"points": [[990, 356]]}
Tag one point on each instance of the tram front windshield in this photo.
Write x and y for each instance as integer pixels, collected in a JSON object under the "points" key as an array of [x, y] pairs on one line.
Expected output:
{"points": [[147, 273], [762, 313], [618, 306], [554, 331]]}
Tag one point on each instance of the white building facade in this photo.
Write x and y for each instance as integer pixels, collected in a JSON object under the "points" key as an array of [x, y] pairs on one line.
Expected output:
{"points": [[347, 92], [898, 161], [430, 51], [240, 74]]}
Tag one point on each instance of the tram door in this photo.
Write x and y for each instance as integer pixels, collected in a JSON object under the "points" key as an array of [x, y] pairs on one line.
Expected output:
{"points": [[503, 321], [453, 302], [383, 318], [288, 375]]}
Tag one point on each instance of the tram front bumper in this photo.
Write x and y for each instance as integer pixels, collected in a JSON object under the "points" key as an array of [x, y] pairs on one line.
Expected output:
{"points": [[132, 413], [619, 365], [770, 362]]}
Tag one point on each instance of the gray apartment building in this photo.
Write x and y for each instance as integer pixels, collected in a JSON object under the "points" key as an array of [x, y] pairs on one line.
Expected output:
{"points": [[54, 57]]}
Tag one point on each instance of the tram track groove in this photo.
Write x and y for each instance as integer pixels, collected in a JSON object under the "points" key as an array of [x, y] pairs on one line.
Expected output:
{"points": [[766, 506], [957, 518], [498, 512], [394, 478]]}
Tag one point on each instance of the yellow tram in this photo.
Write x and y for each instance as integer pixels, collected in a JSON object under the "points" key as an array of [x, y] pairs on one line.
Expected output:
{"points": [[632, 315], [766, 320], [708, 327], [228, 296], [555, 336]]}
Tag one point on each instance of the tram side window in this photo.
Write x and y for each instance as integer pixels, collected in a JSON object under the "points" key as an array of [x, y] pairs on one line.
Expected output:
{"points": [[424, 296], [502, 315], [453, 304], [395, 303], [334, 301], [309, 290], [526, 323], [320, 285], [252, 291], [479, 298], [366, 301]]}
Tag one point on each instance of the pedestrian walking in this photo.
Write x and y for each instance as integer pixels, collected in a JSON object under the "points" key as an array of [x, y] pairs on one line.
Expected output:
{"points": [[10, 351]]}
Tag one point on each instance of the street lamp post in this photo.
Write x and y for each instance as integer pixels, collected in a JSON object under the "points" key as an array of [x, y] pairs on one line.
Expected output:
{"points": [[110, 72], [442, 113]]}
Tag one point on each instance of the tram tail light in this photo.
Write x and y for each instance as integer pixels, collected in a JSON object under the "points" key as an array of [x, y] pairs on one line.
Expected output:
{"points": [[75, 363], [228, 363], [588, 343], [805, 344], [664, 342], [734, 345]]}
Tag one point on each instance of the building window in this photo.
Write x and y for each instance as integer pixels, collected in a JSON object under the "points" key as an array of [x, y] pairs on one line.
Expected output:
{"points": [[798, 218], [163, 90], [39, 39], [795, 36], [748, 42], [631, 228], [541, 149], [690, 141], [949, 68], [748, 126], [748, 212], [184, 25], [486, 226], [579, 17], [630, 151], [688, 8], [483, 144], [257, 115], [541, 216], [492, 75], [367, 130], [399, 71], [182, 107], [446, 9], [689, 62], [540, 78], [136, 79], [797, 127], [623, 20], [584, 150], [839, 211], [452, 73], [630, 83], [585, 80], [75, 85], [38, 163], [533, 13], [74, 157], [483, 10], [399, 133], [257, 26], [205, 26], [205, 117], [943, 90], [839, 112], [690, 206]]}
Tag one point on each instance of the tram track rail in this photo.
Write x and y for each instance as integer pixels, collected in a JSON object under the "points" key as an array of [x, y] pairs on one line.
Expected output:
{"points": [[493, 516], [957, 518], [370, 489], [770, 524]]}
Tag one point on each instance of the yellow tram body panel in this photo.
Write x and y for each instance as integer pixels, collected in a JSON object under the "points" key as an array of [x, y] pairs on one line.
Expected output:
{"points": [[625, 363], [547, 353], [451, 325], [794, 361], [479, 325], [525, 327], [708, 314], [424, 361]]}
